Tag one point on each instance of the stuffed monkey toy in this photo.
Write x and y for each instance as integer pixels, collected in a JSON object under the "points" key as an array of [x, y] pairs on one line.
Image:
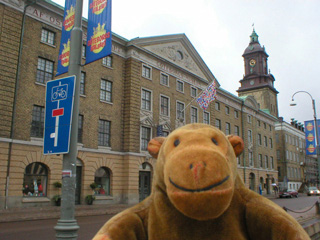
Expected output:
{"points": [[197, 194]]}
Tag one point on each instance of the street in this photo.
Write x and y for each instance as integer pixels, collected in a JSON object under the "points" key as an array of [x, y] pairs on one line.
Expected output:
{"points": [[44, 229]]}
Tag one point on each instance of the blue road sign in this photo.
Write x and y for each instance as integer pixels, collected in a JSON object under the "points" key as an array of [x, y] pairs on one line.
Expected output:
{"points": [[58, 116]]}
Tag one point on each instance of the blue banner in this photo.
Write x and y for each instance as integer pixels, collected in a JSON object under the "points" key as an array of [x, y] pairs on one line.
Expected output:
{"points": [[99, 30], [67, 26], [310, 133]]}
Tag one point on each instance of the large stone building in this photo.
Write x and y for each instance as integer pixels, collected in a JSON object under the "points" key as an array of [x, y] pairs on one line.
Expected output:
{"points": [[145, 87], [296, 170]]}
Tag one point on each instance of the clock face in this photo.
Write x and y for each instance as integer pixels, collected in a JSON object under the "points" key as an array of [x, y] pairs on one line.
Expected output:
{"points": [[252, 62], [251, 82]]}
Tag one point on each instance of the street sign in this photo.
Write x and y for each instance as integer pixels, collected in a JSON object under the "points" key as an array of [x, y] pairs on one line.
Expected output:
{"points": [[58, 116]]}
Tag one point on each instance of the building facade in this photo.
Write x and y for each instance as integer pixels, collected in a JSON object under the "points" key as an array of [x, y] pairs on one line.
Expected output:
{"points": [[291, 155], [145, 88]]}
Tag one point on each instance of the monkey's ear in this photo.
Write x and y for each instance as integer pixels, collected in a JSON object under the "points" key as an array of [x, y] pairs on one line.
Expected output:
{"points": [[154, 146], [237, 144]]}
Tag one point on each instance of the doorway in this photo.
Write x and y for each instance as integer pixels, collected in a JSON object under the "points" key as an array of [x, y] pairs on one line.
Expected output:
{"points": [[144, 184]]}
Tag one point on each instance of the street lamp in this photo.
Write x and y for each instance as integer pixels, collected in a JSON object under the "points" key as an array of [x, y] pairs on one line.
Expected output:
{"points": [[293, 103]]}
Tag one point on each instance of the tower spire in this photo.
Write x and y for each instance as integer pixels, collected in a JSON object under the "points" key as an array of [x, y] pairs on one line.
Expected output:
{"points": [[254, 36]]}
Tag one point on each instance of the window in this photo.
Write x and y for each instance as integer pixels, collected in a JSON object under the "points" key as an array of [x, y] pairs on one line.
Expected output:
{"points": [[193, 92], [80, 128], [218, 123], [146, 72], [107, 61], [82, 83], [164, 108], [278, 154], [270, 128], [37, 125], [146, 100], [217, 106], [279, 171], [250, 159], [44, 70], [84, 51], [165, 133], [227, 109], [238, 160], [228, 130], [102, 179], [249, 136], [236, 114], [180, 86], [47, 36], [104, 133], [164, 79], [259, 123], [259, 139], [270, 143], [194, 115], [35, 180], [106, 90], [265, 125], [260, 161], [277, 138], [145, 137], [249, 118], [266, 161], [286, 137], [206, 117], [265, 141], [271, 162], [180, 110], [236, 130]]}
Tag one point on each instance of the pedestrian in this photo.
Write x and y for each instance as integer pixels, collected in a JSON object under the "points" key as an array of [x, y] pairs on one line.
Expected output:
{"points": [[26, 190], [276, 190], [260, 189]]}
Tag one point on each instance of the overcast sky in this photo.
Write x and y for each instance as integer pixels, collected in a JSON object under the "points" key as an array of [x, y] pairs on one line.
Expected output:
{"points": [[220, 30]]}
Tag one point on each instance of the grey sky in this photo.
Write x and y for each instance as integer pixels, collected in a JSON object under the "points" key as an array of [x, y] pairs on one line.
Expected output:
{"points": [[220, 30]]}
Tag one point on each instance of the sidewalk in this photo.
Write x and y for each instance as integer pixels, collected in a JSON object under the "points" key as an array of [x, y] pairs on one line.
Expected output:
{"points": [[49, 212]]}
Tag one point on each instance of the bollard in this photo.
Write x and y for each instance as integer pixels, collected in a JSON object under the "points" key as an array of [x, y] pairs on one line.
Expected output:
{"points": [[317, 208], [284, 208]]}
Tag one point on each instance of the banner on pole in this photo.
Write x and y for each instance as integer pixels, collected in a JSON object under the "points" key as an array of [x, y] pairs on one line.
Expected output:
{"points": [[207, 96], [67, 26], [99, 30], [310, 133]]}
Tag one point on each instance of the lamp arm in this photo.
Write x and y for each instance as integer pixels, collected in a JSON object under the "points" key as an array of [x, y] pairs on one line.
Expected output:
{"points": [[303, 92]]}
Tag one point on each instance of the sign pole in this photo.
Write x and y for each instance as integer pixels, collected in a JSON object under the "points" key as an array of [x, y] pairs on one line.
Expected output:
{"points": [[67, 227]]}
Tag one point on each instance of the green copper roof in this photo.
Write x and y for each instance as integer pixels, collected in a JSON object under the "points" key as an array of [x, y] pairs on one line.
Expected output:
{"points": [[254, 37]]}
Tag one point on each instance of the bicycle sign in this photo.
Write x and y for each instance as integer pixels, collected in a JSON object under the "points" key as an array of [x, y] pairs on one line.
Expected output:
{"points": [[59, 92], [58, 115]]}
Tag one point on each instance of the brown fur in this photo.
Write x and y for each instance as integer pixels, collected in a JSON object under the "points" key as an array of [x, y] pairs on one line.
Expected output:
{"points": [[197, 194]]}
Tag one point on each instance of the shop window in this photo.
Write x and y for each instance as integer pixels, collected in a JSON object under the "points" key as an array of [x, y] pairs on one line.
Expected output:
{"points": [[35, 180], [102, 179]]}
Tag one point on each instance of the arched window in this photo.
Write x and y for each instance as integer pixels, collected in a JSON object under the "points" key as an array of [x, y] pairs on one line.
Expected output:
{"points": [[102, 179], [35, 180]]}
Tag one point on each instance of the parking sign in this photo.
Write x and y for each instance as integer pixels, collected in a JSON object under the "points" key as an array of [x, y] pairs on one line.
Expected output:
{"points": [[58, 115]]}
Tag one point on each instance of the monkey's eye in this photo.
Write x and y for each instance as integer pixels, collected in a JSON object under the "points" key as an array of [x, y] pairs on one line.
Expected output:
{"points": [[176, 142], [214, 141]]}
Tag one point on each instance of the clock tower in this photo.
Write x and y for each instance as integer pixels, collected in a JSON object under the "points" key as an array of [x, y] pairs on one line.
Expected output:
{"points": [[257, 81]]}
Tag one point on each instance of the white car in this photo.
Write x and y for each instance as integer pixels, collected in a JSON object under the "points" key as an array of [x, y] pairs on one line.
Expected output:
{"points": [[313, 191]]}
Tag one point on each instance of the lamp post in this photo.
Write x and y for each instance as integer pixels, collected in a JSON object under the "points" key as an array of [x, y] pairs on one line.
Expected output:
{"points": [[315, 124]]}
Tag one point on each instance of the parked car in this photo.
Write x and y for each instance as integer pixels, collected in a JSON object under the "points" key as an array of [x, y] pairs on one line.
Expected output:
{"points": [[313, 191], [289, 193]]}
